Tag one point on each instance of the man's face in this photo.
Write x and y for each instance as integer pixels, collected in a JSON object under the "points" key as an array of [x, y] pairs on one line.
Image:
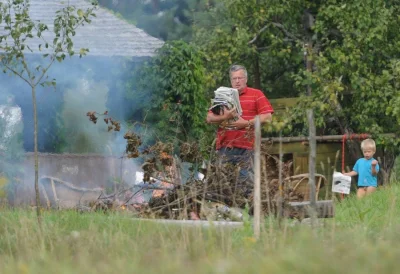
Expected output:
{"points": [[238, 80]]}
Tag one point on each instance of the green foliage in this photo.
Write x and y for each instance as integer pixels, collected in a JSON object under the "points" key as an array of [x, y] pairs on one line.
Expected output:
{"points": [[173, 84], [253, 33], [355, 59], [20, 29]]}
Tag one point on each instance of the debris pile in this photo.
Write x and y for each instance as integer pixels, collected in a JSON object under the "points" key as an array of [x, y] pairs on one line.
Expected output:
{"points": [[219, 191]]}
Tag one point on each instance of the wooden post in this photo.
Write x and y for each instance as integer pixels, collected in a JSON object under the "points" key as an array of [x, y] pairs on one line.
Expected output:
{"points": [[312, 157], [280, 185], [54, 193], [45, 196], [257, 178]]}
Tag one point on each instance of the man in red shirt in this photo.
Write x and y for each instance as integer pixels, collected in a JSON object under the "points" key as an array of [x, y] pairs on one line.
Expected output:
{"points": [[235, 139]]}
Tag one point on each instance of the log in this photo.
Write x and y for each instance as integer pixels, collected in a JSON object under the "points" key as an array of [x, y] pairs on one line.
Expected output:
{"points": [[301, 210], [192, 223]]}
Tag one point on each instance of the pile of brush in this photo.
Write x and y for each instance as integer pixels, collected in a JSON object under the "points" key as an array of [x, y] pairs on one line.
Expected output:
{"points": [[219, 190]]}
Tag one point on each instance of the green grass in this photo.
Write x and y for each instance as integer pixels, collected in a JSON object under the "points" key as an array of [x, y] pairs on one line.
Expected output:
{"points": [[362, 238]]}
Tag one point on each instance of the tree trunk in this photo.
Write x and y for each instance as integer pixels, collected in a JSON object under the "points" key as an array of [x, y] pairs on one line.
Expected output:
{"points": [[35, 138]]}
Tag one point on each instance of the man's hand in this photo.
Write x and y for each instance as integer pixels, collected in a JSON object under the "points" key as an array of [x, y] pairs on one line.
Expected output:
{"points": [[238, 124], [229, 113], [218, 119]]}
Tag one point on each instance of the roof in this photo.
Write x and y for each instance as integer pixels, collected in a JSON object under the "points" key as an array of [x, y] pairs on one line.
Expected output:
{"points": [[106, 35]]}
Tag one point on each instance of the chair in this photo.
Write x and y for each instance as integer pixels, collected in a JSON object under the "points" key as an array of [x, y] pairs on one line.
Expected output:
{"points": [[300, 185]]}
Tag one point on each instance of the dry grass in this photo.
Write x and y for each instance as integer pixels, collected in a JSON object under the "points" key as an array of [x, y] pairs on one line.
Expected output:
{"points": [[363, 238]]}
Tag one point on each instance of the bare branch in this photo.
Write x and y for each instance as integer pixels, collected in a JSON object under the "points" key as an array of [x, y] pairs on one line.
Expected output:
{"points": [[258, 34], [286, 32], [17, 73], [45, 71], [280, 27]]}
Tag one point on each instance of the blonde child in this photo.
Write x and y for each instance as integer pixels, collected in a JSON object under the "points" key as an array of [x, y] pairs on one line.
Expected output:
{"points": [[367, 169]]}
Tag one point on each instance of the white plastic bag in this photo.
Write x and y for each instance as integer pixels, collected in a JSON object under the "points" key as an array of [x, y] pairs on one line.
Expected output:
{"points": [[341, 183]]}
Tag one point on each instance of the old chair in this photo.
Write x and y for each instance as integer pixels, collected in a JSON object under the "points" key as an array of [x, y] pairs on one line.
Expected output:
{"points": [[300, 185]]}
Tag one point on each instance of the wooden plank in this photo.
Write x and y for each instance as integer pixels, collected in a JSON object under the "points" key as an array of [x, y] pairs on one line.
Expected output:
{"points": [[192, 223], [300, 164], [301, 210], [273, 148], [281, 104], [326, 137]]}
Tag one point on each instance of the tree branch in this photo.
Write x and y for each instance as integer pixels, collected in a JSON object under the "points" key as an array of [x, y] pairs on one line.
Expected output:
{"points": [[289, 36], [45, 70], [258, 34], [286, 32], [17, 73]]}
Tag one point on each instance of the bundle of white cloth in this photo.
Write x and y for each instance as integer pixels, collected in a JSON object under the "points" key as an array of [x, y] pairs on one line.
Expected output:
{"points": [[226, 97]]}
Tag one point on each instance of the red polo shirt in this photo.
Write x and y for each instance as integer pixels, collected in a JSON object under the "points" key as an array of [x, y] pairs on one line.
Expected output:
{"points": [[253, 102]]}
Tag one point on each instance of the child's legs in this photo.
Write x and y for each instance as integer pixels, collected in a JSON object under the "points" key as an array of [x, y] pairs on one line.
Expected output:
{"points": [[371, 189], [361, 192]]}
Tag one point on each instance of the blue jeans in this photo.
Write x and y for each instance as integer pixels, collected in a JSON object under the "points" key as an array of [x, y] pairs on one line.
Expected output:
{"points": [[241, 157]]}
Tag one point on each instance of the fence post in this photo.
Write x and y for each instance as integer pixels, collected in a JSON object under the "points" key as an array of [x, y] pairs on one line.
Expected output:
{"points": [[257, 178], [312, 165]]}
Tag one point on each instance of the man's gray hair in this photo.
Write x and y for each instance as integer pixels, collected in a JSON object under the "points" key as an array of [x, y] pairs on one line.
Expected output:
{"points": [[234, 68]]}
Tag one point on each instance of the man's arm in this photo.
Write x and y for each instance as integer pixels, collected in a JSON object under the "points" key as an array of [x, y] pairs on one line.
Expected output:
{"points": [[264, 118], [242, 123], [217, 119]]}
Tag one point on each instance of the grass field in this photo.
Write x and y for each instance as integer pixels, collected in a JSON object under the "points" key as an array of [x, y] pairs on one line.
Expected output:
{"points": [[362, 238]]}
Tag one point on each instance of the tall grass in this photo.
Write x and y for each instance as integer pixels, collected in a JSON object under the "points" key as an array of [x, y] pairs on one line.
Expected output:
{"points": [[362, 238]]}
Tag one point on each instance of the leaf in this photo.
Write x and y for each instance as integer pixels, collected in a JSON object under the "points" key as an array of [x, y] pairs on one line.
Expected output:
{"points": [[80, 13]]}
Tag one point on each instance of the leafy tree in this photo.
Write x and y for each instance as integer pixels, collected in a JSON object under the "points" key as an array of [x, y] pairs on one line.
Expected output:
{"points": [[258, 34], [19, 30], [352, 47], [172, 88]]}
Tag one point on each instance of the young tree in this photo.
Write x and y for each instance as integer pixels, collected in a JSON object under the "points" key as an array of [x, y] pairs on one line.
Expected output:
{"points": [[18, 30], [172, 86]]}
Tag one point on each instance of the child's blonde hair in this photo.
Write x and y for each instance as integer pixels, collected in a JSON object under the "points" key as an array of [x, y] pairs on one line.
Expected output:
{"points": [[368, 143]]}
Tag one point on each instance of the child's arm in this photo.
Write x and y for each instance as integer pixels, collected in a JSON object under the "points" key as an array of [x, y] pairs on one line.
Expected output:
{"points": [[351, 173], [373, 167]]}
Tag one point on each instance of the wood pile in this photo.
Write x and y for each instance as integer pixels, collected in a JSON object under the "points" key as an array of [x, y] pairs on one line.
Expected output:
{"points": [[221, 188], [220, 194]]}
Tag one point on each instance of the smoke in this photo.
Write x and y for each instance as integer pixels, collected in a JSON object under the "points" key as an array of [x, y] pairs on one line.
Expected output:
{"points": [[87, 84]]}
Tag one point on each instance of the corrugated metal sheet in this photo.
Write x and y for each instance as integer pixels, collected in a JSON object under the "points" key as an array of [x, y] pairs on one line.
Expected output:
{"points": [[106, 35]]}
